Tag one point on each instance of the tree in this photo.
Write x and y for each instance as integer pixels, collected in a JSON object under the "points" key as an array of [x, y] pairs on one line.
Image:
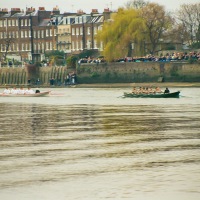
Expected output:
{"points": [[189, 16], [157, 21], [119, 33], [137, 4], [55, 56], [7, 43]]}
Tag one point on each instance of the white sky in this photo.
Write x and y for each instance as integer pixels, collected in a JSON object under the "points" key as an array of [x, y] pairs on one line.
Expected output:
{"points": [[85, 5]]}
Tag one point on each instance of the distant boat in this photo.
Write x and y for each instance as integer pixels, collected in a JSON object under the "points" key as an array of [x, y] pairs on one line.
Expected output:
{"points": [[41, 94], [151, 95]]}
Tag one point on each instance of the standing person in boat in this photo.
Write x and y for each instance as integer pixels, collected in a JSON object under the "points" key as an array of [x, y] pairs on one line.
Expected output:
{"points": [[6, 91], [166, 91]]}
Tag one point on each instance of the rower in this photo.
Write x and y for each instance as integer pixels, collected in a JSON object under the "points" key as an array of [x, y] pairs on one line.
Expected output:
{"points": [[29, 91], [6, 91]]}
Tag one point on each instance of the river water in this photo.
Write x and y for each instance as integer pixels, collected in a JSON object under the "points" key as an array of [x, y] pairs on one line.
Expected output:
{"points": [[91, 144]]}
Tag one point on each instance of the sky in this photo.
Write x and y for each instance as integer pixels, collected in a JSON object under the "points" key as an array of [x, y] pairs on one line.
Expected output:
{"points": [[85, 5]]}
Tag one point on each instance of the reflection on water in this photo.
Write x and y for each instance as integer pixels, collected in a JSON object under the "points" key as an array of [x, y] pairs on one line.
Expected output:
{"points": [[96, 151]]}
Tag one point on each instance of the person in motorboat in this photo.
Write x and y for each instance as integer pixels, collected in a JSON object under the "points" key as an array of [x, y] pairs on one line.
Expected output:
{"points": [[166, 91], [6, 91], [29, 91]]}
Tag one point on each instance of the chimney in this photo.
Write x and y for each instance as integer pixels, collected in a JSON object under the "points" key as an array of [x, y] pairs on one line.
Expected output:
{"points": [[41, 8], [3, 11], [106, 14], [14, 11], [56, 10], [30, 10], [95, 11]]}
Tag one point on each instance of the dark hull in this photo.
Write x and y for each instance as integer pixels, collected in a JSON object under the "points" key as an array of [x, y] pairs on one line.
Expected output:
{"points": [[160, 95]]}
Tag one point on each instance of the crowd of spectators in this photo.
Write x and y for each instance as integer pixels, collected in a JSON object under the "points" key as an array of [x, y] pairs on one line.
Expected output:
{"points": [[176, 56], [91, 60]]}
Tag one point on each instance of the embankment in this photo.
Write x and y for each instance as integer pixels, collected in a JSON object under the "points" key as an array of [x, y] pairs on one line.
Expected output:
{"points": [[144, 72]]}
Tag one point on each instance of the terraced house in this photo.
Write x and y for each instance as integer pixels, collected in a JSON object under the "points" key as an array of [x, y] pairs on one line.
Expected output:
{"points": [[27, 35]]}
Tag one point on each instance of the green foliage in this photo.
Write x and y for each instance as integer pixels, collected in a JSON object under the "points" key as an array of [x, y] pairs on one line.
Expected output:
{"points": [[95, 75], [195, 45], [170, 47], [59, 54], [88, 53], [118, 33], [71, 61], [192, 60]]}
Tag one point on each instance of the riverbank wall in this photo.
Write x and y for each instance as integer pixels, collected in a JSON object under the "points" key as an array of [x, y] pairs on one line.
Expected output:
{"points": [[126, 72]]}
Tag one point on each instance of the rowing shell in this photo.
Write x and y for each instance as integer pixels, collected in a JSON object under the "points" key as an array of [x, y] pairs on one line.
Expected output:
{"points": [[41, 94]]}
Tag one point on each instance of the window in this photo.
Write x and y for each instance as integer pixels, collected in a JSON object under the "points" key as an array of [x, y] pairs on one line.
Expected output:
{"points": [[77, 31], [5, 23], [22, 34], [9, 22], [26, 47], [51, 46], [42, 33], [50, 32], [34, 34], [73, 31], [95, 44], [23, 47], [77, 46], [73, 47], [88, 30], [17, 35], [95, 30], [47, 32], [25, 34], [25, 22], [81, 45], [88, 44], [38, 33], [13, 46], [81, 30], [47, 45], [13, 22], [29, 33], [1, 24], [76, 20], [35, 46], [16, 22]]}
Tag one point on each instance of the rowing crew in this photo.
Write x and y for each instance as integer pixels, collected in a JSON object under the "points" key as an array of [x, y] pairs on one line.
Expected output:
{"points": [[146, 90], [21, 90]]}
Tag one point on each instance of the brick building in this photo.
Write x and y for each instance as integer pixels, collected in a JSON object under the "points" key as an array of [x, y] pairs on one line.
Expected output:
{"points": [[27, 33]]}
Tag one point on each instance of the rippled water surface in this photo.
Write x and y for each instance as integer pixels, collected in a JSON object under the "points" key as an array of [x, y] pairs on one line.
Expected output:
{"points": [[92, 144]]}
